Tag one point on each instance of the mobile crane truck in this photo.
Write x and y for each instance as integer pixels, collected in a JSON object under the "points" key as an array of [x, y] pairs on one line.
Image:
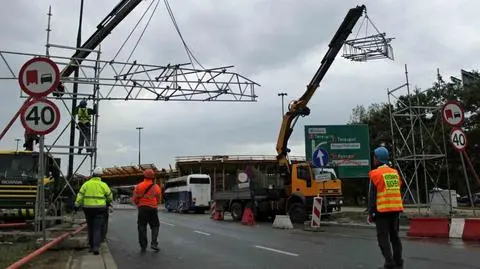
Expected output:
{"points": [[295, 197]]}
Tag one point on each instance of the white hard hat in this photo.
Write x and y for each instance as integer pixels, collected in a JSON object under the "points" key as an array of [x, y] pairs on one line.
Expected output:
{"points": [[98, 171]]}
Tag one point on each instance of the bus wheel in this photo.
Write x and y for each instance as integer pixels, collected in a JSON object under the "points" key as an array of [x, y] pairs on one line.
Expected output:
{"points": [[236, 209], [297, 213]]}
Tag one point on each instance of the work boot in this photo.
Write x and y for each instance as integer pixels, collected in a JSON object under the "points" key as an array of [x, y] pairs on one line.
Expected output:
{"points": [[155, 247], [154, 244]]}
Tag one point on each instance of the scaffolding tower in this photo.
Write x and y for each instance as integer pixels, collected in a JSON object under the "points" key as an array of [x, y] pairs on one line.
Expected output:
{"points": [[410, 151]]}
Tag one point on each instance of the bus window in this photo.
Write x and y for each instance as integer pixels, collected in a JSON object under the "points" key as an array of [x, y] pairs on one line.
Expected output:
{"points": [[199, 180], [175, 184]]}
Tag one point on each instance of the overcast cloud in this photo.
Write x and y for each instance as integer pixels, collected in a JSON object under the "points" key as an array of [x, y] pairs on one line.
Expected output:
{"points": [[278, 44]]}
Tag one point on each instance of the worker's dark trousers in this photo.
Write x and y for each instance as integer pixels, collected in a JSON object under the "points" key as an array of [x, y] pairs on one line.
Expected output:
{"points": [[85, 135], [105, 226], [95, 218], [147, 215], [29, 140], [388, 225]]}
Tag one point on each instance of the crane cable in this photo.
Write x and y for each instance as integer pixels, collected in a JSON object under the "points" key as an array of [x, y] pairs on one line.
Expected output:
{"points": [[138, 40], [187, 49], [133, 30], [144, 29], [131, 33]]}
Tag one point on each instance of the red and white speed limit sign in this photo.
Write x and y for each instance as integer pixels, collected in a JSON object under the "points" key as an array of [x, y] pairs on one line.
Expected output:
{"points": [[458, 139], [40, 116]]}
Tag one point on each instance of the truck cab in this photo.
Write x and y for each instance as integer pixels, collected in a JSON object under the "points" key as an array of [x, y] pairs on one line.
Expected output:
{"points": [[309, 182], [18, 183]]}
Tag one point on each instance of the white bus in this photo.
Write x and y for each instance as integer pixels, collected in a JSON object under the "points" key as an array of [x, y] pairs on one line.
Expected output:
{"points": [[188, 193]]}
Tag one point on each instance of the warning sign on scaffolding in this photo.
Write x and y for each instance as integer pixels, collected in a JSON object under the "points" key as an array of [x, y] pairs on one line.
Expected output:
{"points": [[38, 77]]}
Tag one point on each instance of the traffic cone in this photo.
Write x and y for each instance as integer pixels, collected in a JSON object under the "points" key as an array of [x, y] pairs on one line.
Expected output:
{"points": [[248, 218], [218, 215]]}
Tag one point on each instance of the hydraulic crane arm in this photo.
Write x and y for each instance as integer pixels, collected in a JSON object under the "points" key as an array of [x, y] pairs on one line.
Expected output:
{"points": [[119, 12], [299, 107]]}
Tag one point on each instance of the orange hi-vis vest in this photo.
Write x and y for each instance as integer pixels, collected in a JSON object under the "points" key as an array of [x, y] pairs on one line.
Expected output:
{"points": [[146, 194], [387, 182]]}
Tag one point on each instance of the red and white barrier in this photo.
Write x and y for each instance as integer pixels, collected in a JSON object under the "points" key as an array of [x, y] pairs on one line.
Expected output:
{"points": [[456, 228], [429, 227], [316, 212], [466, 229]]}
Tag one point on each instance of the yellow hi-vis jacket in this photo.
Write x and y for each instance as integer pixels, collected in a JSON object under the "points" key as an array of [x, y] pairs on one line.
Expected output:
{"points": [[94, 194], [83, 115]]}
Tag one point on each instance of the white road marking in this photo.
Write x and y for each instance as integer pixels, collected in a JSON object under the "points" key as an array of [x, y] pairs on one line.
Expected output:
{"points": [[278, 251], [166, 223], [200, 232]]}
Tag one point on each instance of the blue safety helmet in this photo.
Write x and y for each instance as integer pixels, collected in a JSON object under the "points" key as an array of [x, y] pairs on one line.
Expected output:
{"points": [[381, 154], [83, 103]]}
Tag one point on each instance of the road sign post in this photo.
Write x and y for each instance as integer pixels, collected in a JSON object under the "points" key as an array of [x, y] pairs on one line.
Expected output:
{"points": [[39, 77], [453, 113]]}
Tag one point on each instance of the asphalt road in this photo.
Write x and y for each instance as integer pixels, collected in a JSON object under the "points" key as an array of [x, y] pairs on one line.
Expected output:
{"points": [[196, 241]]}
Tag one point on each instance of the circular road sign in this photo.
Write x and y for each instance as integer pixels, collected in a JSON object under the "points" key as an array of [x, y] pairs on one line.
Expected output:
{"points": [[242, 177], [39, 76], [40, 116], [458, 139], [453, 113]]}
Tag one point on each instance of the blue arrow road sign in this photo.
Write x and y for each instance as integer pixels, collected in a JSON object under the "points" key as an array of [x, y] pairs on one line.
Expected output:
{"points": [[320, 157]]}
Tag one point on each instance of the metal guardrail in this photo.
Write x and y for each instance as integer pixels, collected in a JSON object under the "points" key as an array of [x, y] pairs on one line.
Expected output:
{"points": [[233, 158]]}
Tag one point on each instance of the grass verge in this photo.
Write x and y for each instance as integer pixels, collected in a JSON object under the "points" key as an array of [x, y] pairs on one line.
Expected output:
{"points": [[51, 259]]}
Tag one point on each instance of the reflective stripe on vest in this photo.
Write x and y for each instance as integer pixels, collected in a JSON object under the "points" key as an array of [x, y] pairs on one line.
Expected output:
{"points": [[389, 197], [83, 116]]}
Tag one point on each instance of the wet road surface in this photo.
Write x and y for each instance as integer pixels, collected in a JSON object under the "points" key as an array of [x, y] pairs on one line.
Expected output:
{"points": [[196, 241]]}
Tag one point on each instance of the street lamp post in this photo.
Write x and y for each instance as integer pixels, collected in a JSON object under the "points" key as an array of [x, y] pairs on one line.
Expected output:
{"points": [[17, 140], [139, 144], [282, 94]]}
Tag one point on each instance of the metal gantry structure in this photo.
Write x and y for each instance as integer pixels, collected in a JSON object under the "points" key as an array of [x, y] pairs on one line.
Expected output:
{"points": [[410, 134], [370, 46], [106, 80]]}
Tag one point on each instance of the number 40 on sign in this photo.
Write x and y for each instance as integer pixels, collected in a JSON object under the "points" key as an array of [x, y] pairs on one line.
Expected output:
{"points": [[458, 139], [40, 116]]}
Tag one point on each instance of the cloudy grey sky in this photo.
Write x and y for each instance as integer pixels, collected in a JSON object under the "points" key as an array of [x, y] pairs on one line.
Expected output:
{"points": [[278, 44]]}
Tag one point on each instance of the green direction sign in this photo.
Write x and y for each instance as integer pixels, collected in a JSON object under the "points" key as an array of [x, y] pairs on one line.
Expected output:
{"points": [[348, 147]]}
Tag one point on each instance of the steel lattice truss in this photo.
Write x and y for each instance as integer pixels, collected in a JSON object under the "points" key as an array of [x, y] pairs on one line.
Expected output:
{"points": [[369, 46], [135, 81]]}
